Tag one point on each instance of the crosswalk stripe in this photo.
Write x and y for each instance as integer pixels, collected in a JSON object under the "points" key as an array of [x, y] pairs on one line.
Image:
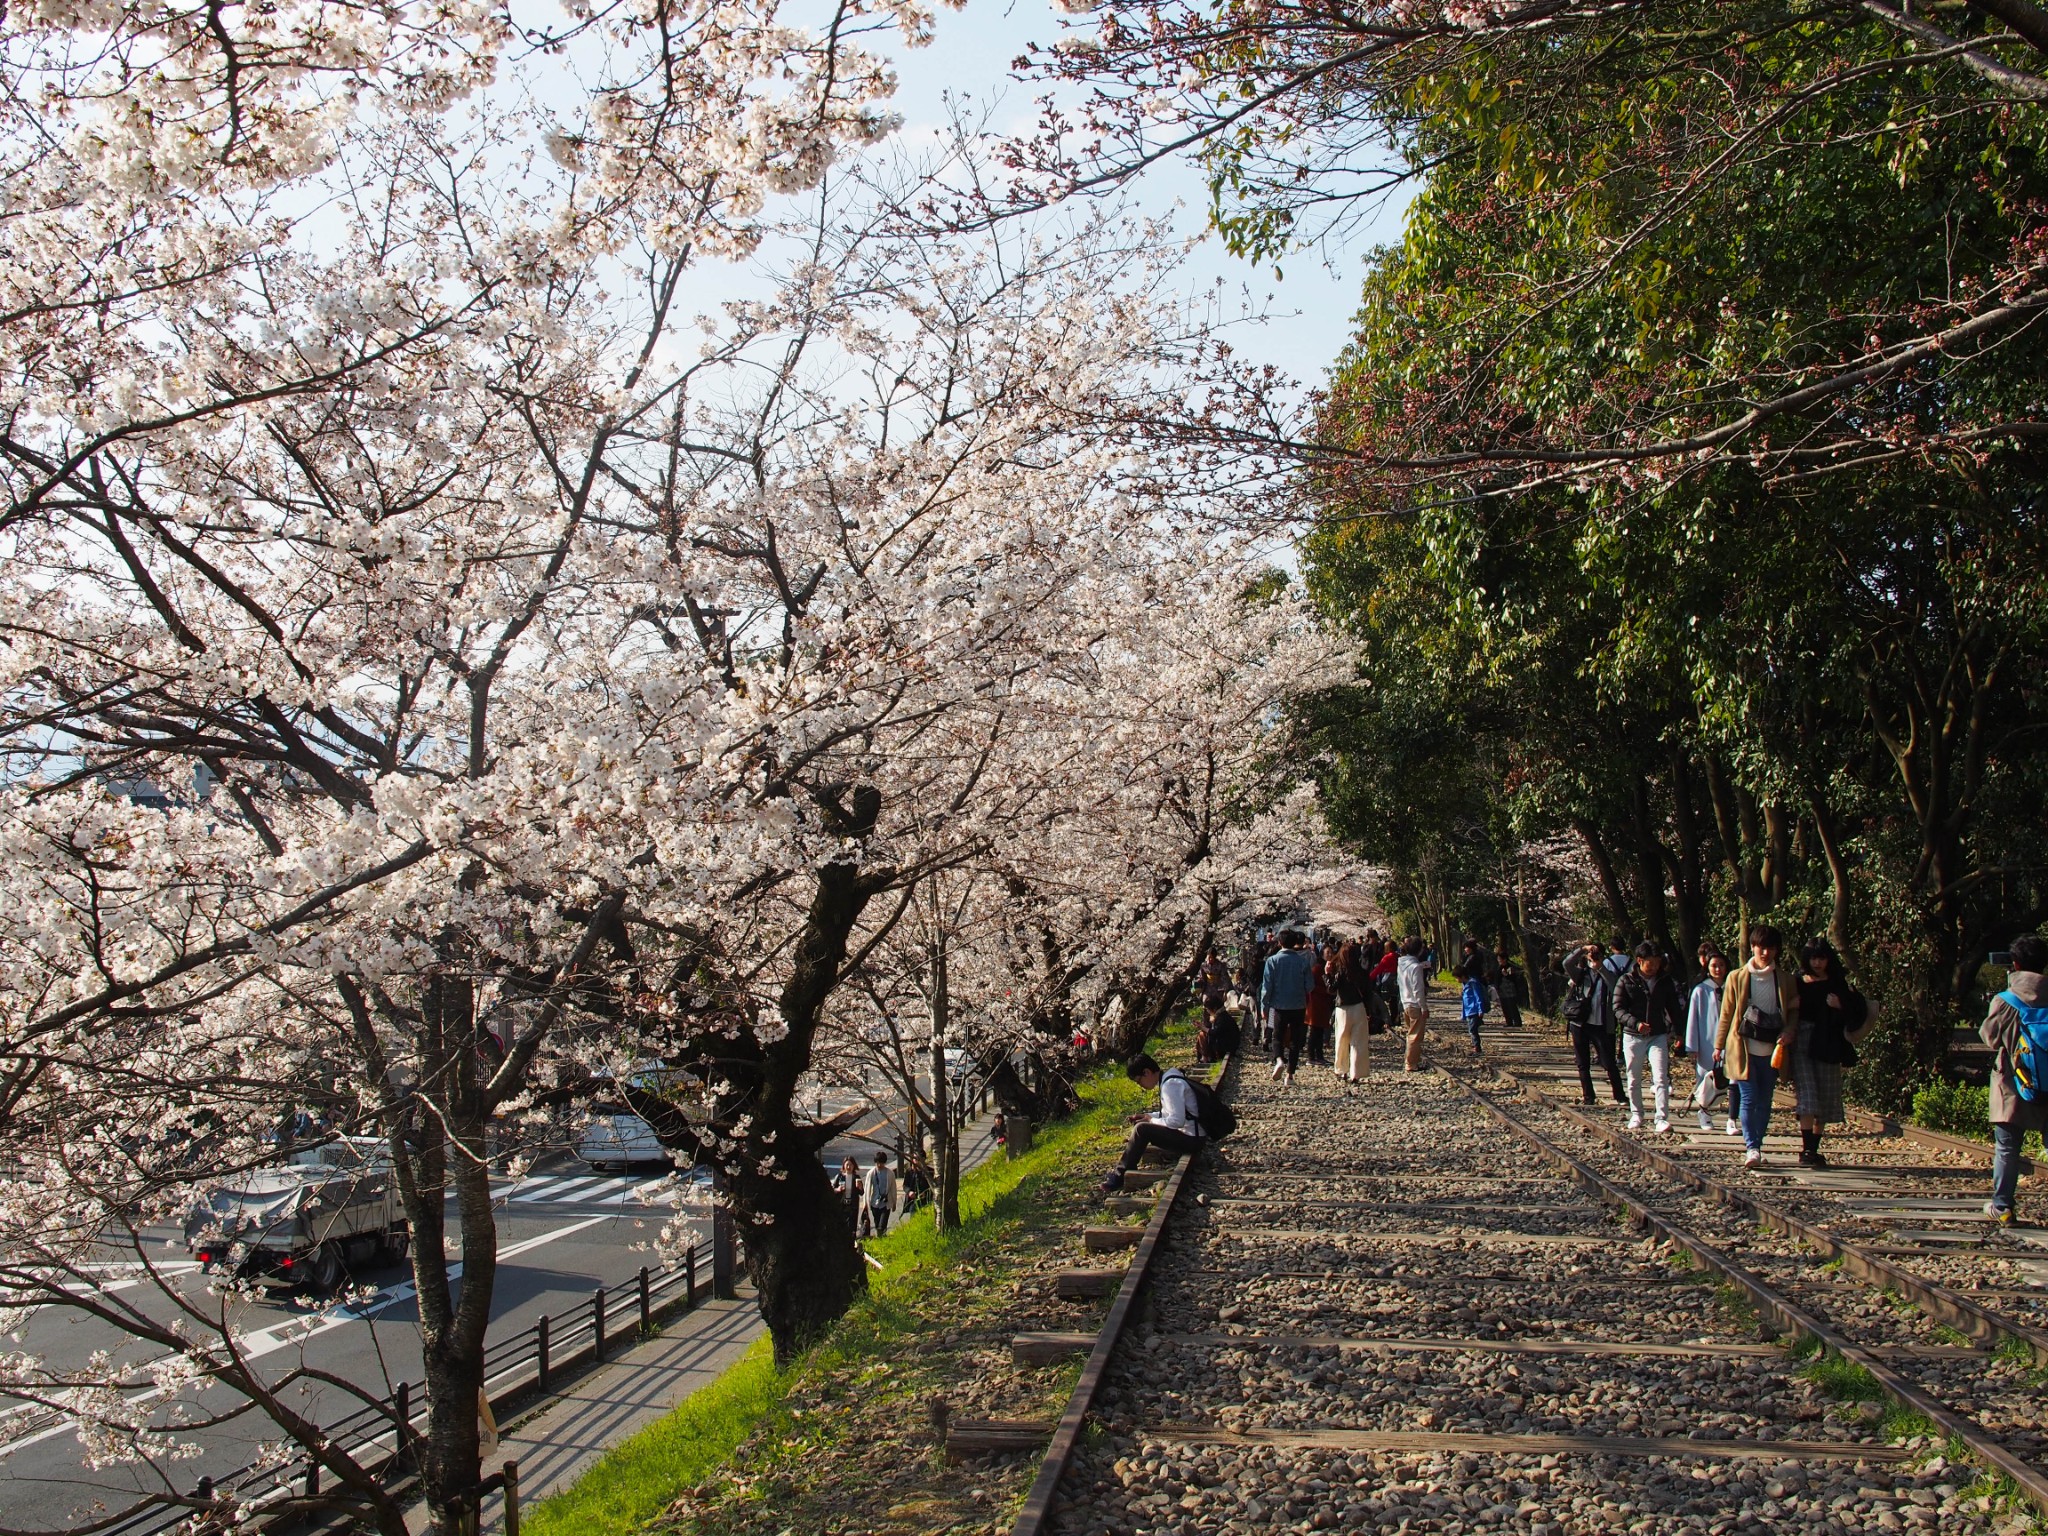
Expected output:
{"points": [[569, 1188], [577, 1187]]}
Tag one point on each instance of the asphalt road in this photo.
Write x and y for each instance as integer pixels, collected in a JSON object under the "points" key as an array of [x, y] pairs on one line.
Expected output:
{"points": [[562, 1231], [560, 1235]]}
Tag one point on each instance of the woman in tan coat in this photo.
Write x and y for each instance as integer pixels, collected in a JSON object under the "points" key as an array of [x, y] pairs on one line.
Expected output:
{"points": [[1759, 1013]]}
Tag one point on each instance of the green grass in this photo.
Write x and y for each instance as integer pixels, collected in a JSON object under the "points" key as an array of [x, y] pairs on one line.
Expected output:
{"points": [[635, 1479], [1843, 1380], [638, 1478], [1902, 1423]]}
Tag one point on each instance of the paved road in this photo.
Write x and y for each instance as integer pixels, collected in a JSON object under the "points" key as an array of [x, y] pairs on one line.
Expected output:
{"points": [[559, 1236], [563, 1231]]}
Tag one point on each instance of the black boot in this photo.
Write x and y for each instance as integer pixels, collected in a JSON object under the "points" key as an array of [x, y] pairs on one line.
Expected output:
{"points": [[1809, 1150]]}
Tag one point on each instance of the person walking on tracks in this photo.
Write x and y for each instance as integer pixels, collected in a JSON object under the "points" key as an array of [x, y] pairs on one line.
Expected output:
{"points": [[1702, 1019], [2017, 1028], [1353, 987], [1832, 1016], [1647, 1008], [1176, 1128], [1510, 993], [1759, 1031], [1585, 1023], [1283, 994], [1413, 971], [1471, 974], [1322, 1003]]}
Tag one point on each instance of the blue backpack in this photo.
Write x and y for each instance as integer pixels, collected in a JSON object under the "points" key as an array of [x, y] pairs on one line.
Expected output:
{"points": [[2030, 1061]]}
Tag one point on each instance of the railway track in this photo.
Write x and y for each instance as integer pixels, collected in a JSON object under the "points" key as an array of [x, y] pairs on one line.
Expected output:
{"points": [[1446, 1304]]}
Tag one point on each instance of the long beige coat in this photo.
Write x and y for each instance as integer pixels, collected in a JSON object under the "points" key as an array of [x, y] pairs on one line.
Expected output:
{"points": [[1734, 998]]}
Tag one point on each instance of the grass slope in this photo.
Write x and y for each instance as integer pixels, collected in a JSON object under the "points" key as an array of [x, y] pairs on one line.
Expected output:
{"points": [[839, 1443]]}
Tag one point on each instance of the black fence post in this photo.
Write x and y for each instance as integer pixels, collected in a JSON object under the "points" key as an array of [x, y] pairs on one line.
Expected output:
{"points": [[597, 1325], [540, 1356], [646, 1305], [690, 1278], [312, 1479], [723, 1284], [401, 1417]]}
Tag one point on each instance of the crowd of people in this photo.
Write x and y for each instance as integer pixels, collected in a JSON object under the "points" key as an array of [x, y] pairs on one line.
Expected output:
{"points": [[1322, 998], [1744, 1029]]}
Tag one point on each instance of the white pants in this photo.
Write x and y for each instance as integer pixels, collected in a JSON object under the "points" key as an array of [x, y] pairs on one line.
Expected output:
{"points": [[1656, 1050], [1354, 1030]]}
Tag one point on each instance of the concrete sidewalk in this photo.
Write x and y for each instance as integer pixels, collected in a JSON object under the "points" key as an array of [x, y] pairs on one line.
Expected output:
{"points": [[559, 1441], [563, 1438]]}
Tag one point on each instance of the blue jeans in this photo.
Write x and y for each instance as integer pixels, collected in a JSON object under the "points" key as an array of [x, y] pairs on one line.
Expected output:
{"points": [[1757, 1089], [2005, 1165]]}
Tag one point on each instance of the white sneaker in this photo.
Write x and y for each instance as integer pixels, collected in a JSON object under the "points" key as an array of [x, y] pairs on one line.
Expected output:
{"points": [[1278, 1068], [1290, 1077], [1663, 1127], [1635, 1122], [1752, 1159], [1734, 1127], [1706, 1121]]}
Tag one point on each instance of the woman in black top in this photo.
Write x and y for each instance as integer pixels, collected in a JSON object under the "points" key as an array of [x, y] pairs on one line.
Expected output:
{"points": [[1831, 1012]]}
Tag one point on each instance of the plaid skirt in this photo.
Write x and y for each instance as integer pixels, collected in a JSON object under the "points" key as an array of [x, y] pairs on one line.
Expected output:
{"points": [[1818, 1084]]}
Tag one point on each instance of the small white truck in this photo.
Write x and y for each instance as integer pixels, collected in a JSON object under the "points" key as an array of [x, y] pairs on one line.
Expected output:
{"points": [[310, 1221]]}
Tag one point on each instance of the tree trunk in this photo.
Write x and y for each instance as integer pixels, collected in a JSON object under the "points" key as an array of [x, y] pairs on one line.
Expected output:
{"points": [[1838, 875], [1778, 853], [1603, 868], [451, 1157], [800, 1253], [945, 1138], [1649, 864], [1689, 868]]}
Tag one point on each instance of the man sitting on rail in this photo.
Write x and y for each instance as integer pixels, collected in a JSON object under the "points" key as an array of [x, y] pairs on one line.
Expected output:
{"points": [[1177, 1128]]}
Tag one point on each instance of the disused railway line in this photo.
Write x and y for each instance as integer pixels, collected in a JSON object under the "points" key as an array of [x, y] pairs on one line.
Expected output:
{"points": [[1445, 1303]]}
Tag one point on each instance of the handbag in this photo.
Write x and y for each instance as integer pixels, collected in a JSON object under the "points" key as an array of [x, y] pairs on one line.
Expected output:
{"points": [[1707, 1092], [1760, 1027]]}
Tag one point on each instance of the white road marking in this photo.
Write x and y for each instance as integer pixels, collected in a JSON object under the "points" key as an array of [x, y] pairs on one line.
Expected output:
{"points": [[265, 1341], [575, 1187]]}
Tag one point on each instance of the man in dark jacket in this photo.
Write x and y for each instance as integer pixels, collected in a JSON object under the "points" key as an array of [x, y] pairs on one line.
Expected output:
{"points": [[2005, 1031], [1584, 1021], [1647, 1011]]}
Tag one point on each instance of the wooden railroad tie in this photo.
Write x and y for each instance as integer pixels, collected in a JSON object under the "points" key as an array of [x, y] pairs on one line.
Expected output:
{"points": [[1531, 1444], [1085, 1284], [1049, 1348], [1127, 1205], [995, 1437], [1110, 1239]]}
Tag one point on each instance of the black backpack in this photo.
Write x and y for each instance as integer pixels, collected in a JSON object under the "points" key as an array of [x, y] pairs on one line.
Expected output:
{"points": [[1577, 1006], [1217, 1118]]}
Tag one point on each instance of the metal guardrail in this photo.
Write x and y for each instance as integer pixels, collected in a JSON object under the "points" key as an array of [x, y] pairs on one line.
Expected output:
{"points": [[382, 1434]]}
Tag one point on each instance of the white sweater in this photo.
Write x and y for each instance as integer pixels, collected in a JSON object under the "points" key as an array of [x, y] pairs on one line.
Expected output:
{"points": [[1413, 972]]}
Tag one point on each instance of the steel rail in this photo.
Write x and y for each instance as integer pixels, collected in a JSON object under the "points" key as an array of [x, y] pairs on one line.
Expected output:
{"points": [[1035, 1518], [1934, 1298], [1789, 1316]]}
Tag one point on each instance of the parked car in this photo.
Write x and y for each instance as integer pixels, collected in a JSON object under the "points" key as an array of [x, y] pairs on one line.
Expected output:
{"points": [[618, 1138], [615, 1137], [309, 1221]]}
